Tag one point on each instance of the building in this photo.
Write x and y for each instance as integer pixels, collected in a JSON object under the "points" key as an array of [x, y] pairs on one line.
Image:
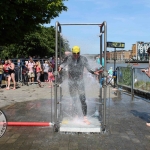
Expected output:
{"points": [[133, 52], [139, 50], [120, 55]]}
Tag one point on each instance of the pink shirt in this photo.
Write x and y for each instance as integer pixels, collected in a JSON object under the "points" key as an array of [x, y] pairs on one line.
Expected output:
{"points": [[51, 76], [38, 69]]}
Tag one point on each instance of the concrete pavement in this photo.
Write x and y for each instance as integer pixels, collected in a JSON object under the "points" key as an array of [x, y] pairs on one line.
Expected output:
{"points": [[126, 122]]}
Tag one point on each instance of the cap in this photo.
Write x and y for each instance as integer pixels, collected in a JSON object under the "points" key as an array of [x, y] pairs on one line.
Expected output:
{"points": [[76, 49]]}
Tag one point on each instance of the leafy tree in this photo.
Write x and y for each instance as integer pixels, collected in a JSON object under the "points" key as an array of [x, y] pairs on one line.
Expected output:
{"points": [[40, 43], [21, 17]]}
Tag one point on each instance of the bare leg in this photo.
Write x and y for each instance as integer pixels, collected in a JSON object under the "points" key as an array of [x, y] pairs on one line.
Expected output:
{"points": [[13, 79], [51, 83], [38, 79], [9, 78], [29, 79], [32, 79], [6, 81]]}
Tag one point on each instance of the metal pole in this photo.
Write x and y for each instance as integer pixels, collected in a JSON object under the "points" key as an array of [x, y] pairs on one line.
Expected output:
{"points": [[114, 62], [132, 81], [105, 69], [101, 61], [55, 85], [100, 76], [81, 24], [21, 69], [55, 73], [59, 48]]}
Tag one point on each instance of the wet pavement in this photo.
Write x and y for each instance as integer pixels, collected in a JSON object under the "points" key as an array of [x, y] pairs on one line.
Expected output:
{"points": [[126, 123]]}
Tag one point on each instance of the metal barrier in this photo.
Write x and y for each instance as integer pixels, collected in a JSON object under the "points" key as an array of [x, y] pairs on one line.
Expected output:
{"points": [[133, 79]]}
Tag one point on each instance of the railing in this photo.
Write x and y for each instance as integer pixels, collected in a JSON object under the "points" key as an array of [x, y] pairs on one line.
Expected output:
{"points": [[133, 79]]}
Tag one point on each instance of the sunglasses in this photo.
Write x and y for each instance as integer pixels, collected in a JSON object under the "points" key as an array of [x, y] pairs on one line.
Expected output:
{"points": [[76, 53]]}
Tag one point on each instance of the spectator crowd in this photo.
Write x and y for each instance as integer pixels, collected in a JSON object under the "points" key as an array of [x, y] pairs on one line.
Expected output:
{"points": [[27, 72]]}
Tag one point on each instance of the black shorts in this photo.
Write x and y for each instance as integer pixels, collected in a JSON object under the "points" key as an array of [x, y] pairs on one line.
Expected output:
{"points": [[6, 74]]}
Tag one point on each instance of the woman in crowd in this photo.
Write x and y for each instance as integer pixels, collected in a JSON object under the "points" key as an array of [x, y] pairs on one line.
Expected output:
{"points": [[50, 76], [45, 69], [6, 74], [11, 72], [31, 65], [1, 72], [38, 72]]}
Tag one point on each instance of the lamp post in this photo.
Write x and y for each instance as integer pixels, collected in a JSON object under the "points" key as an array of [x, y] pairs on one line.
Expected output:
{"points": [[114, 58]]}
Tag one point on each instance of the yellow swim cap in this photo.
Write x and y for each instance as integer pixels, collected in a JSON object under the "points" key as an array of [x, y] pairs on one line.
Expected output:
{"points": [[76, 49]]}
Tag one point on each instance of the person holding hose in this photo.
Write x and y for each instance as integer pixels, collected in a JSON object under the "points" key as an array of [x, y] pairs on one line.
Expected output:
{"points": [[76, 64]]}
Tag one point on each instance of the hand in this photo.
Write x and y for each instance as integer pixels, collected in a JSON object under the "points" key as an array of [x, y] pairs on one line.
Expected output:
{"points": [[143, 70], [98, 72]]}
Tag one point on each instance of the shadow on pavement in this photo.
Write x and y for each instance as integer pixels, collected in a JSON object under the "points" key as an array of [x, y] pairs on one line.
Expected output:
{"points": [[142, 115]]}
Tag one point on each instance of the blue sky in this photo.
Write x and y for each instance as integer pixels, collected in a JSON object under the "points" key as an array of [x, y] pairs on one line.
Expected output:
{"points": [[127, 21]]}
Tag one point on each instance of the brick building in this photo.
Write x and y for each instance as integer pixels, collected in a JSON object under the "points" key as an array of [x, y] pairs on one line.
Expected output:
{"points": [[120, 55]]}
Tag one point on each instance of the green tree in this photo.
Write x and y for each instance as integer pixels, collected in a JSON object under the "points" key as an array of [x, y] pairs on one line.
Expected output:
{"points": [[40, 42], [19, 17]]}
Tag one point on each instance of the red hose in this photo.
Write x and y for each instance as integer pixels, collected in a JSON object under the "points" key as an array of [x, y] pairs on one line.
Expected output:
{"points": [[28, 123]]}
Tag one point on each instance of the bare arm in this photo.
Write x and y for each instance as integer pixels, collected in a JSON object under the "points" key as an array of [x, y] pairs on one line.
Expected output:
{"points": [[147, 72], [12, 66], [63, 64], [89, 69]]}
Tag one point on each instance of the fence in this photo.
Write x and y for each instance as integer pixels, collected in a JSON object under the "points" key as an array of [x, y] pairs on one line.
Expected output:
{"points": [[133, 79]]}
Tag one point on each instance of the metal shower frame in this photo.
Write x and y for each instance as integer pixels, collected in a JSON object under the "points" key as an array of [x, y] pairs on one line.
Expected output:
{"points": [[103, 32]]}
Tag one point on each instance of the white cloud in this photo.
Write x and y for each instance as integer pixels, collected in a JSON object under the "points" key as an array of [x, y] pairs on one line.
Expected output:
{"points": [[120, 19]]}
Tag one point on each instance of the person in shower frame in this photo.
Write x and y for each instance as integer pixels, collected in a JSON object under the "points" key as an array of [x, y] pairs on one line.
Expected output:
{"points": [[76, 64]]}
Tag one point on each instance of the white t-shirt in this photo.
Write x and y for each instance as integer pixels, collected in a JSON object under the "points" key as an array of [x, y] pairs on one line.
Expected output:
{"points": [[30, 66], [46, 67]]}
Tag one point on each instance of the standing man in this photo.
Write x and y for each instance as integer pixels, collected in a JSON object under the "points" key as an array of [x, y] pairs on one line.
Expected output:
{"points": [[76, 64], [31, 65]]}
